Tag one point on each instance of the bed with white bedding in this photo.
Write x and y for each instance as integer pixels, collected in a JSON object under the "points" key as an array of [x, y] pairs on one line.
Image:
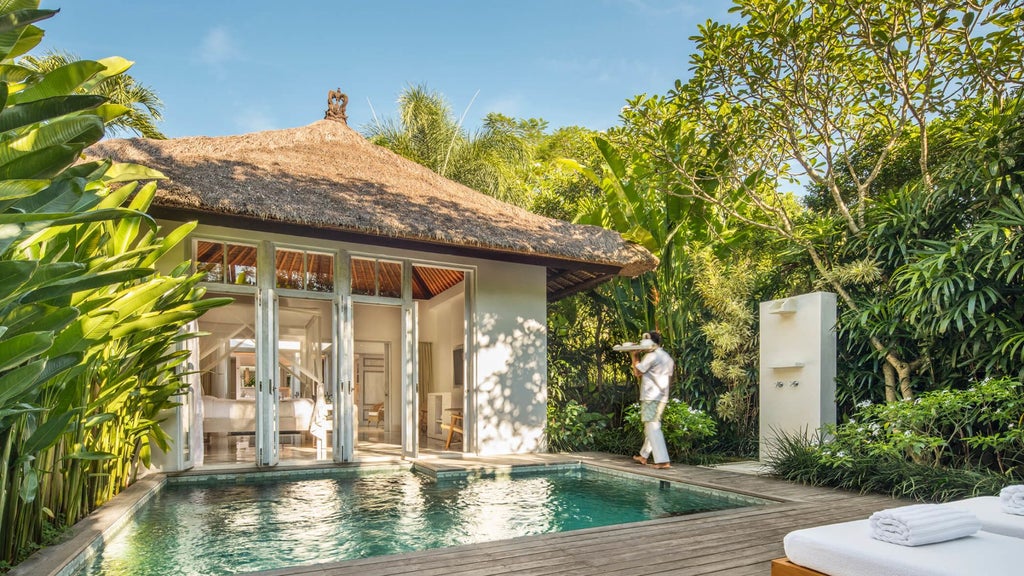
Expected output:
{"points": [[231, 416], [847, 549], [989, 510]]}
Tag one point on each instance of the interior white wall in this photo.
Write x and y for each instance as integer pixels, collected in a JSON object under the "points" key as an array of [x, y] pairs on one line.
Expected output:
{"points": [[382, 325], [511, 350], [442, 323], [797, 366]]}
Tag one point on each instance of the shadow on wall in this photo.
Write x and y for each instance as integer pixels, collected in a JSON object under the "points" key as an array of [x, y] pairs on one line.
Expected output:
{"points": [[512, 394]]}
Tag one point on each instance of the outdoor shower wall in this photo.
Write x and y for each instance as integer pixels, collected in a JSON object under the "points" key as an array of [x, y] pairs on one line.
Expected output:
{"points": [[798, 366]]}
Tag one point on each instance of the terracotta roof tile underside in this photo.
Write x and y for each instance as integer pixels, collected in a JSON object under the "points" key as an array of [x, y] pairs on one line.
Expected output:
{"points": [[327, 181]]}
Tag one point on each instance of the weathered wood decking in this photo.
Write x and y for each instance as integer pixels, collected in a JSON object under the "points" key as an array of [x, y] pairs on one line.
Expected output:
{"points": [[732, 542]]}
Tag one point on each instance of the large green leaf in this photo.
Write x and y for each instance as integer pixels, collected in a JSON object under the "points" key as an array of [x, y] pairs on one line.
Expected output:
{"points": [[66, 287], [47, 433], [46, 109], [60, 197], [15, 410], [31, 36], [109, 112], [154, 321], [18, 349], [15, 189], [126, 172], [39, 318], [60, 82], [104, 215], [16, 76], [52, 271], [45, 163], [17, 382], [89, 171], [112, 66], [57, 364], [73, 130], [14, 23], [169, 242], [14, 274], [86, 332]]}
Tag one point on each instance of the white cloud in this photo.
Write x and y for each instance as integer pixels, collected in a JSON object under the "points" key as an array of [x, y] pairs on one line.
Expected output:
{"points": [[218, 47]]}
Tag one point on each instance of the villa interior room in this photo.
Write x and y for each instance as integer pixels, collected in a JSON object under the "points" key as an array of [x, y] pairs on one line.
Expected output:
{"points": [[306, 387]]}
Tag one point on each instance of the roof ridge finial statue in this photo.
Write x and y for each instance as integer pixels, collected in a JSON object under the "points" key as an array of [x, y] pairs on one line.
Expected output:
{"points": [[336, 103]]}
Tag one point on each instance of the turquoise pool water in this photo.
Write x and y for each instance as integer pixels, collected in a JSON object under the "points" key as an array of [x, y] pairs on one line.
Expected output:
{"points": [[236, 528]]}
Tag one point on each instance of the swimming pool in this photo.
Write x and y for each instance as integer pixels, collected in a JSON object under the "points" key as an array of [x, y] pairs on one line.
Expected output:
{"points": [[231, 528]]}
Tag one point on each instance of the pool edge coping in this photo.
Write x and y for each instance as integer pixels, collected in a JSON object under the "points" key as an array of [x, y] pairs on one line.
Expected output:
{"points": [[88, 534]]}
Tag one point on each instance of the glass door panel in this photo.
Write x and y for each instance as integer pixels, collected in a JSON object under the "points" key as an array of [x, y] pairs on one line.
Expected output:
{"points": [[225, 426]]}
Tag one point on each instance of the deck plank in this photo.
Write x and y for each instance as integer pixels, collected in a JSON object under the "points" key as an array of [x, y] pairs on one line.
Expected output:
{"points": [[738, 542]]}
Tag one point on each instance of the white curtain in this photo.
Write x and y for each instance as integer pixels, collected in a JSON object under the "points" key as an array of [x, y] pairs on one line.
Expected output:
{"points": [[426, 371]]}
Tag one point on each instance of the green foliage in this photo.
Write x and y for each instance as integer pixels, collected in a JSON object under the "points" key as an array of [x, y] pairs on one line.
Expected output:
{"points": [[685, 428], [799, 459], [86, 325], [942, 445], [141, 109], [570, 428], [731, 332], [495, 161], [979, 427], [841, 95]]}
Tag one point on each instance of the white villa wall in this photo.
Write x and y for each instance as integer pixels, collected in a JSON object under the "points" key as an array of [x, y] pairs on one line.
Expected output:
{"points": [[511, 344], [509, 403]]}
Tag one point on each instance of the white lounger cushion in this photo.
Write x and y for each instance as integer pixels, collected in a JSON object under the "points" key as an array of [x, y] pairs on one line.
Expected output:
{"points": [[847, 549], [989, 510]]}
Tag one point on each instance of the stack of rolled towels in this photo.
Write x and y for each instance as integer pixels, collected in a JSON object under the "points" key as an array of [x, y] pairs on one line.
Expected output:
{"points": [[1011, 499], [921, 524]]}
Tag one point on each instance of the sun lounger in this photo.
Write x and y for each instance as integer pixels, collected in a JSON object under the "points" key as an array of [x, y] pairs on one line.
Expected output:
{"points": [[989, 510], [847, 549]]}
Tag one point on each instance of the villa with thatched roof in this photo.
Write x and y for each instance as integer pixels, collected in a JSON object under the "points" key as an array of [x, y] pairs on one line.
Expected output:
{"points": [[375, 302]]}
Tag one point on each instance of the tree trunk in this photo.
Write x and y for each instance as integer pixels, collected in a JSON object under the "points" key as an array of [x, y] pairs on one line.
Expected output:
{"points": [[890, 382]]}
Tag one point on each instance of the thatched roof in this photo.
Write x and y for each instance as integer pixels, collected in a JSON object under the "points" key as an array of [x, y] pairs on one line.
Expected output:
{"points": [[325, 180]]}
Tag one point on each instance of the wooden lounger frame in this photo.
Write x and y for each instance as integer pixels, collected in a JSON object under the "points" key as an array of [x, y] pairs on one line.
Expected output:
{"points": [[783, 567]]}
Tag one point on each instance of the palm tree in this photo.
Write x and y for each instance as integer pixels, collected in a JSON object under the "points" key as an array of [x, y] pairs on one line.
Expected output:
{"points": [[494, 160], [145, 109]]}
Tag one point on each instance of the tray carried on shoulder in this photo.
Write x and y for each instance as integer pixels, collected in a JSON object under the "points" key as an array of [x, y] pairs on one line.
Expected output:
{"points": [[633, 347]]}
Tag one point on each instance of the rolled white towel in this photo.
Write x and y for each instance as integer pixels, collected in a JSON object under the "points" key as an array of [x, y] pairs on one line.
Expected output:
{"points": [[922, 524], [1011, 499]]}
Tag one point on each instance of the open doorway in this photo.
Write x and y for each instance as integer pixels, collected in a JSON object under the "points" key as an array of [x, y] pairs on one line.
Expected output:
{"points": [[377, 333]]}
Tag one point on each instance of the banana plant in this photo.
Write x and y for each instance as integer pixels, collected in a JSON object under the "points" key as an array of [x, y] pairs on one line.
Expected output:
{"points": [[87, 324]]}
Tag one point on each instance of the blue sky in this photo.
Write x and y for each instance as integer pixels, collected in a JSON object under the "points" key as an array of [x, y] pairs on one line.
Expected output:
{"points": [[231, 66]]}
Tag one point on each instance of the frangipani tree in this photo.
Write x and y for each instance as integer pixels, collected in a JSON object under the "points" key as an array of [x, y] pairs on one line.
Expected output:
{"points": [[796, 91]]}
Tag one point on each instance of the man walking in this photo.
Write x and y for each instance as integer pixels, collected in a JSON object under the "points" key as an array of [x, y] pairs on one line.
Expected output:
{"points": [[655, 373]]}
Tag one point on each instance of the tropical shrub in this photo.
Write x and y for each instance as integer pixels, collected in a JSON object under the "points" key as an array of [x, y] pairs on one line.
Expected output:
{"points": [[979, 427], [943, 444], [571, 428], [87, 326], [684, 427]]}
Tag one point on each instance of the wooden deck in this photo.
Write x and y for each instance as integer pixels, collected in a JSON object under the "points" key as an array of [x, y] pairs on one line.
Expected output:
{"points": [[732, 542]]}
